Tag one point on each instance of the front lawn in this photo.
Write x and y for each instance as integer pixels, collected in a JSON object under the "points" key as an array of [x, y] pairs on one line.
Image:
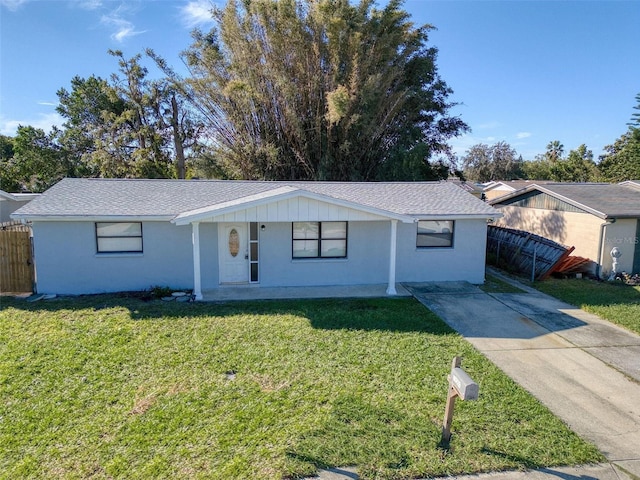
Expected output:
{"points": [[111, 387], [613, 301]]}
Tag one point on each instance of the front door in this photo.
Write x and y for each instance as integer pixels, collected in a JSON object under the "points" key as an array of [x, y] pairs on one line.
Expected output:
{"points": [[233, 253]]}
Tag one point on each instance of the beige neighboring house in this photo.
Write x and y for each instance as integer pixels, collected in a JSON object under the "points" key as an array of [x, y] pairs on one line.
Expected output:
{"points": [[497, 189], [592, 217], [10, 202]]}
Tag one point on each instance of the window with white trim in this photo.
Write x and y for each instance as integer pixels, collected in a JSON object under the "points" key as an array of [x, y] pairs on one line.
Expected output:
{"points": [[435, 234], [319, 240], [119, 237]]}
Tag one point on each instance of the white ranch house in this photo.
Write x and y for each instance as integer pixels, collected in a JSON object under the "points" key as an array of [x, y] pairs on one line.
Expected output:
{"points": [[103, 235]]}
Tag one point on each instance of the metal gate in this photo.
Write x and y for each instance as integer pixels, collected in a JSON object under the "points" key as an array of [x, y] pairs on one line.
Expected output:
{"points": [[16, 260]]}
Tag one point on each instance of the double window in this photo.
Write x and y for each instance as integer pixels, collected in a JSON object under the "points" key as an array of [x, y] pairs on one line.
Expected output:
{"points": [[319, 240], [119, 237], [435, 234]]}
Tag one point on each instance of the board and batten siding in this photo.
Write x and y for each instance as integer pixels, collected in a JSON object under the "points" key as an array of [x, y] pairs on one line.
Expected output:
{"points": [[297, 209]]}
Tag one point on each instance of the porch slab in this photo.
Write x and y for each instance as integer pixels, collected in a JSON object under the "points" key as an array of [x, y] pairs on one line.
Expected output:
{"points": [[256, 292]]}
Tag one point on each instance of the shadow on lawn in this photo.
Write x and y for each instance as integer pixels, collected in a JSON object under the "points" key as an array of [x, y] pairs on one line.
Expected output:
{"points": [[526, 463], [383, 314], [591, 292]]}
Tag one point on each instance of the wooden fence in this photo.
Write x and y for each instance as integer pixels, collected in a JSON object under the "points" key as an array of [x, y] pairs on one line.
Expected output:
{"points": [[16, 259], [524, 252]]}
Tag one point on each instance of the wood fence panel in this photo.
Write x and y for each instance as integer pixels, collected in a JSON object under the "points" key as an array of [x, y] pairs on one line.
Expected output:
{"points": [[16, 262], [524, 252]]}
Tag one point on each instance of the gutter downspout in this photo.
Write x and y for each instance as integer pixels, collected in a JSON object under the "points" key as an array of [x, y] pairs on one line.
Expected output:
{"points": [[600, 245]]}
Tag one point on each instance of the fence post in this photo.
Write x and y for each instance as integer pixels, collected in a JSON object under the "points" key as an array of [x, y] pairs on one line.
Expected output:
{"points": [[533, 267]]}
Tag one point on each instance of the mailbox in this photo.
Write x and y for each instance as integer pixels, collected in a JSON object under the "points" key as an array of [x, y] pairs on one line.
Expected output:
{"points": [[466, 388], [460, 385]]}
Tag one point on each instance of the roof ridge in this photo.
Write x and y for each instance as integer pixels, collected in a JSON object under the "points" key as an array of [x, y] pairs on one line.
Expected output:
{"points": [[218, 180]]}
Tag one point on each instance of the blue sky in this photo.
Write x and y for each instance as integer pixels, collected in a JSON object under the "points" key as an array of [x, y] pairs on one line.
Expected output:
{"points": [[524, 72]]}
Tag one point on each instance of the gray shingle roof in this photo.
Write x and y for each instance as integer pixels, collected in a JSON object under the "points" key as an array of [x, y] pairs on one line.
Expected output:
{"points": [[603, 199], [168, 198]]}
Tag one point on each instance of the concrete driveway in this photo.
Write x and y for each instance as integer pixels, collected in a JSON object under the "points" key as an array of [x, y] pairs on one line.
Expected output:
{"points": [[584, 369]]}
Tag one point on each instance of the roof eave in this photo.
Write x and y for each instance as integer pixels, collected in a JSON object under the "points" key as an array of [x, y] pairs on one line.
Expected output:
{"points": [[570, 201], [461, 216], [25, 217]]}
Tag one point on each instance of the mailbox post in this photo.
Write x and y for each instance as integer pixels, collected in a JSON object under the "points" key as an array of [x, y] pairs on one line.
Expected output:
{"points": [[460, 385]]}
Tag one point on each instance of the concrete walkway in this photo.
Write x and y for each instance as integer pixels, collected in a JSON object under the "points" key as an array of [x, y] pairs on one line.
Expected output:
{"points": [[584, 369], [256, 292]]}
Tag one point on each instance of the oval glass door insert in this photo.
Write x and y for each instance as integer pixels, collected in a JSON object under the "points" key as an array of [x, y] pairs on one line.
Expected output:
{"points": [[234, 242]]}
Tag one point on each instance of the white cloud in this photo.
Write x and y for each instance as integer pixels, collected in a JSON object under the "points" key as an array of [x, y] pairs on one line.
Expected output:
{"points": [[45, 121], [196, 12], [89, 4], [12, 5], [48, 104], [521, 135], [123, 27]]}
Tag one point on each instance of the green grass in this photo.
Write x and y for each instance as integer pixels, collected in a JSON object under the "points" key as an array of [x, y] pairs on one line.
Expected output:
{"points": [[111, 387], [494, 284], [613, 301]]}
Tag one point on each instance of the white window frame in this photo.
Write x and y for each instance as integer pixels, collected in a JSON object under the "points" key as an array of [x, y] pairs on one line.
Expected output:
{"points": [[451, 233], [103, 251], [320, 239]]}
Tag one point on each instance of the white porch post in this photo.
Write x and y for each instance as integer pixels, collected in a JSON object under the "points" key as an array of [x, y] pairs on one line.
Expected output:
{"points": [[391, 288], [195, 238]]}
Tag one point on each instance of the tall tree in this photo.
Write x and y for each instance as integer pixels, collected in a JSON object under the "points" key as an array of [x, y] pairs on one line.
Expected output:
{"points": [[484, 163], [555, 151], [320, 89], [635, 117], [9, 176], [37, 161], [622, 159], [87, 109], [175, 114], [113, 124], [577, 167]]}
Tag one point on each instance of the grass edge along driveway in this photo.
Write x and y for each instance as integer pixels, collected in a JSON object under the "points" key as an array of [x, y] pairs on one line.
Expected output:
{"points": [[612, 301], [114, 387]]}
